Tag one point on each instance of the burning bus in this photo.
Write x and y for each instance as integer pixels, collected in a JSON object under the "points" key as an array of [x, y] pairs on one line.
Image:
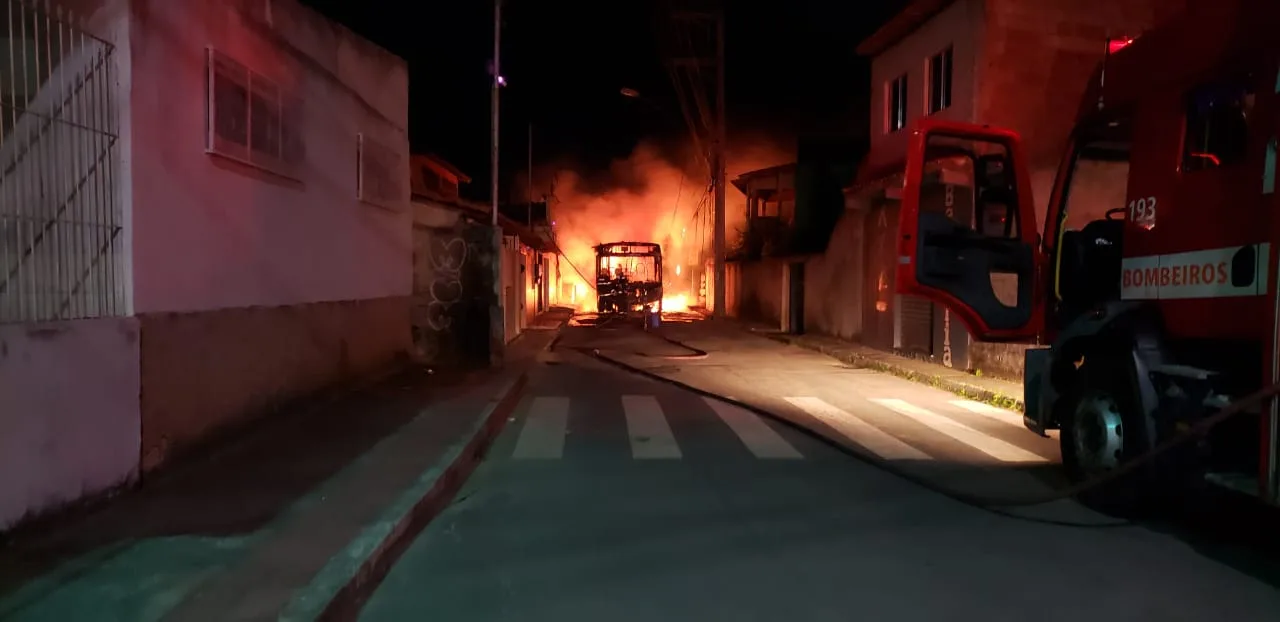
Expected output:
{"points": [[628, 277]]}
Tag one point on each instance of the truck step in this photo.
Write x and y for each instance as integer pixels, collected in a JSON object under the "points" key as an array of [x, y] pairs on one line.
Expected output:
{"points": [[1183, 371], [1237, 482]]}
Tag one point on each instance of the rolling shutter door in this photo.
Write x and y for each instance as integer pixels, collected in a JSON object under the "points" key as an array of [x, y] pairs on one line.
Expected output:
{"points": [[917, 325]]}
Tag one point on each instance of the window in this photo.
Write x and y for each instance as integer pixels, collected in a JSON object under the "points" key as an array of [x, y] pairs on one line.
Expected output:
{"points": [[940, 81], [1098, 181], [248, 118], [1217, 126], [378, 173], [896, 102]]}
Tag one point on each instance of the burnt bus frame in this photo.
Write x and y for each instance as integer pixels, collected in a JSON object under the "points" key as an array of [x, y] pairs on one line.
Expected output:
{"points": [[651, 250]]}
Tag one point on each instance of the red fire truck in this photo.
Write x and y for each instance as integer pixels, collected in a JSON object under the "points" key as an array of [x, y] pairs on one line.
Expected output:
{"points": [[1153, 289]]}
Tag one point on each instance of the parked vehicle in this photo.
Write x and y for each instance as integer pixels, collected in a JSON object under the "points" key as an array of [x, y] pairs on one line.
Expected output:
{"points": [[1153, 289]]}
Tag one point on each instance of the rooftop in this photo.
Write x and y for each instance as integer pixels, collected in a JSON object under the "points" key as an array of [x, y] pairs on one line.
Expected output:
{"points": [[904, 23]]}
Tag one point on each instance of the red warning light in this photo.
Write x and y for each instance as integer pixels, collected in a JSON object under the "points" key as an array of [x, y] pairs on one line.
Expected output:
{"points": [[1117, 44]]}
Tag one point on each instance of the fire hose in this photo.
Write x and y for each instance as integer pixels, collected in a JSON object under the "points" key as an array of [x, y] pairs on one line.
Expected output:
{"points": [[996, 505]]}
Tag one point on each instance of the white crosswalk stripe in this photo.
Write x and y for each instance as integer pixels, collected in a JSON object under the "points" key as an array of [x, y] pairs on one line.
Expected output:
{"points": [[544, 429], [874, 439], [761, 439], [878, 425], [990, 445], [991, 412], [651, 436]]}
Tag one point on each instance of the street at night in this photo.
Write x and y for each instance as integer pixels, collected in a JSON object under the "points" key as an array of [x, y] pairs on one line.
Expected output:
{"points": [[688, 310], [616, 497]]}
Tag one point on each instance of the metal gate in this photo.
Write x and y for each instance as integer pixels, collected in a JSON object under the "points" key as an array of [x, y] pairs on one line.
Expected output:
{"points": [[60, 219], [915, 325]]}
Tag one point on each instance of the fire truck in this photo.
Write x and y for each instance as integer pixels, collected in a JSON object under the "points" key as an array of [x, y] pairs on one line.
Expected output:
{"points": [[1151, 292]]}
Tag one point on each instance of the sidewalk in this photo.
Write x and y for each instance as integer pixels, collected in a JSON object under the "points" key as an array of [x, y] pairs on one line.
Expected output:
{"points": [[995, 391], [551, 319], [279, 523]]}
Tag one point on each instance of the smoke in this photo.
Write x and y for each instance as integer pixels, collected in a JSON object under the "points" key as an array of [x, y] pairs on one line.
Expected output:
{"points": [[648, 197]]}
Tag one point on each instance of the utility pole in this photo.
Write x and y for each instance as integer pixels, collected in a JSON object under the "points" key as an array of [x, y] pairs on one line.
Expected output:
{"points": [[529, 192], [493, 108], [718, 138], [718, 311], [497, 314]]}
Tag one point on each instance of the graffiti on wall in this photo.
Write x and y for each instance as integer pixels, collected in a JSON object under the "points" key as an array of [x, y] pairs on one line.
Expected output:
{"points": [[452, 292], [447, 258]]}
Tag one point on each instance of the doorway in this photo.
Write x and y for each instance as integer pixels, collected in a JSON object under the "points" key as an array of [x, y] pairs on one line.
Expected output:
{"points": [[795, 298]]}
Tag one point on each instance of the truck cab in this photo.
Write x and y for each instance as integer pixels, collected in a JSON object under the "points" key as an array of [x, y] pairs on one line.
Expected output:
{"points": [[1150, 290]]}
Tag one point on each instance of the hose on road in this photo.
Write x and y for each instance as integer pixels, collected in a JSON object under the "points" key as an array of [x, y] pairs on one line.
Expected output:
{"points": [[995, 505]]}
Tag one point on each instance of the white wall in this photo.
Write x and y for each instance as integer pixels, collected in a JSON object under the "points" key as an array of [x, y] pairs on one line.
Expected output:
{"points": [[69, 422], [209, 233], [960, 25]]}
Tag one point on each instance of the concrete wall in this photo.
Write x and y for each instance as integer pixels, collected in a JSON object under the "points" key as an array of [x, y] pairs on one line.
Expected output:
{"points": [[512, 287], [255, 286], [452, 288], [833, 282], [210, 233], [69, 390], [68, 412], [758, 291], [961, 26], [202, 371], [1036, 62]]}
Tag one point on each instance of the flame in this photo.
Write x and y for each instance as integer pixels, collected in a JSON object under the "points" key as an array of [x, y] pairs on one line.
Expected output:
{"points": [[675, 304], [645, 197]]}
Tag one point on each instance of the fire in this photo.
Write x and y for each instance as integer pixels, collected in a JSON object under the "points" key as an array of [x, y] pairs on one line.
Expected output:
{"points": [[646, 197], [676, 303]]}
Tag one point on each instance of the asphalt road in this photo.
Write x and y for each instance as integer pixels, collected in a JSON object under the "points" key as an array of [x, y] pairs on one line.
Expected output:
{"points": [[614, 497]]}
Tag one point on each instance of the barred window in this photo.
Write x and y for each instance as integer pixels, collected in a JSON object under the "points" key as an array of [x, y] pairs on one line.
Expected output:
{"points": [[250, 119]]}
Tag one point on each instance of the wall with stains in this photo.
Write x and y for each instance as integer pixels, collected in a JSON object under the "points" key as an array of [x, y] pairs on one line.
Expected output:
{"points": [[68, 413], [452, 287], [258, 281]]}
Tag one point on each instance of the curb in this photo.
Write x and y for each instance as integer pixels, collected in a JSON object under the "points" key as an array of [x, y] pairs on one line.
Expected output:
{"points": [[958, 387], [341, 589]]}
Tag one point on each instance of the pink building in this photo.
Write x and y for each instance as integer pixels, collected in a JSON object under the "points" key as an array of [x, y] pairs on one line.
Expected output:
{"points": [[204, 211]]}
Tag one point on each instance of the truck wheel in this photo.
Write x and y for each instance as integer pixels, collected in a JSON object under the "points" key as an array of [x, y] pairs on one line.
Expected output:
{"points": [[1104, 427]]}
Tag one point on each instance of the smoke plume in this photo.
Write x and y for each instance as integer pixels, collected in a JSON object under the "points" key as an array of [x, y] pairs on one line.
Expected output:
{"points": [[647, 197]]}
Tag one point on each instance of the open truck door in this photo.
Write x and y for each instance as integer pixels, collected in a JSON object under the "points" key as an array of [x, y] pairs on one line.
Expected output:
{"points": [[984, 267]]}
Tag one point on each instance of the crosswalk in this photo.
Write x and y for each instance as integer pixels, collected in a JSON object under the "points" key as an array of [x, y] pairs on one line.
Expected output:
{"points": [[891, 428]]}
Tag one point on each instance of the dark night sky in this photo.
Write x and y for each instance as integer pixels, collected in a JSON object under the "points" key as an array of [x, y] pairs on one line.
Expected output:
{"points": [[791, 69]]}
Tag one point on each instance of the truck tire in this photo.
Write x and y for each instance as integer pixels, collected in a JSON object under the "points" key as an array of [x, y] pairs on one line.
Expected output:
{"points": [[1103, 427]]}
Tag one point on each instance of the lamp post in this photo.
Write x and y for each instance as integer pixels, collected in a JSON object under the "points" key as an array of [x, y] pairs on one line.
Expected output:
{"points": [[497, 314]]}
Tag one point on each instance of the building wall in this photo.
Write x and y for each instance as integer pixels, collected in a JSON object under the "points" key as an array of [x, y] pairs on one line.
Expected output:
{"points": [[453, 287], [69, 390], [759, 290], [512, 287], [834, 282], [1036, 62], [961, 26], [253, 287], [210, 233], [69, 420]]}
